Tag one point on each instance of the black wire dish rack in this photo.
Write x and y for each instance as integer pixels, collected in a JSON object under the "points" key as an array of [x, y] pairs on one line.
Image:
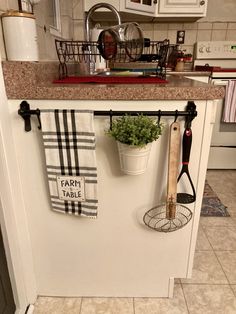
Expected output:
{"points": [[81, 55]]}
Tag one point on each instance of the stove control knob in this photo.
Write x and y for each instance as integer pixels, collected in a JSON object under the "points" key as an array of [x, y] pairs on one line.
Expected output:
{"points": [[201, 49], [208, 49]]}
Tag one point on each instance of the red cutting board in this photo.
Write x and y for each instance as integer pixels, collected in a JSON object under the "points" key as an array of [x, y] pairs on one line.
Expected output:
{"points": [[111, 80]]}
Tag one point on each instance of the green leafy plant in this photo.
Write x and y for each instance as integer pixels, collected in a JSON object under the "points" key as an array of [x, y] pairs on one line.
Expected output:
{"points": [[135, 131]]}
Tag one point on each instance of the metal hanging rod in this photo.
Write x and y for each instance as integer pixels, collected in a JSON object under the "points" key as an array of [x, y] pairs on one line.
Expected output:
{"points": [[190, 113], [146, 113]]}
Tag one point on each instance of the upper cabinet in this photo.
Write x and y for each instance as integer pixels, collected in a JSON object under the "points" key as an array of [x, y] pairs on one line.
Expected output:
{"points": [[139, 6], [182, 7], [89, 3], [156, 8], [135, 7]]}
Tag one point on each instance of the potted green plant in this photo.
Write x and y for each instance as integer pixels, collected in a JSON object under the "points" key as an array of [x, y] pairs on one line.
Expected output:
{"points": [[134, 136]]}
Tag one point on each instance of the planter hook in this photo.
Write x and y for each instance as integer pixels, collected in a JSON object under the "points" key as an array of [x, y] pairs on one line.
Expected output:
{"points": [[111, 115], [176, 115], [159, 117]]}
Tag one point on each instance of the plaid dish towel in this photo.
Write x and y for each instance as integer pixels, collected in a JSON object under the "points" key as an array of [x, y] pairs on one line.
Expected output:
{"points": [[229, 112], [69, 144]]}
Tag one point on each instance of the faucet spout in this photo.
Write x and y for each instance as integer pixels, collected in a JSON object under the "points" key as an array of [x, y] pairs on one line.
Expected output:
{"points": [[91, 11]]}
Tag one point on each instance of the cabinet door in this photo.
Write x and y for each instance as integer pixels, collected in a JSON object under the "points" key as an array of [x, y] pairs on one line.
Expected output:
{"points": [[146, 6], [89, 3], [182, 7]]}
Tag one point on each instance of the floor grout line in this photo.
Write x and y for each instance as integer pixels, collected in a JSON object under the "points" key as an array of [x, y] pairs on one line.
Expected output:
{"points": [[221, 267], [217, 257], [234, 291], [184, 297], [205, 284], [134, 305], [214, 251], [80, 309]]}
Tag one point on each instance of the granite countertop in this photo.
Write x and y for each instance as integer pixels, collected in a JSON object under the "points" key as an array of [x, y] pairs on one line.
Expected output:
{"points": [[33, 80]]}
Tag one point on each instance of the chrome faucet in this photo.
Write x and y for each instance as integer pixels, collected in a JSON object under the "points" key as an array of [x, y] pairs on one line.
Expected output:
{"points": [[91, 11]]}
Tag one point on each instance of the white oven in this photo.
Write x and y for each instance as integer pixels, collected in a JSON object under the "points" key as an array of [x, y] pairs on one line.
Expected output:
{"points": [[220, 56]]}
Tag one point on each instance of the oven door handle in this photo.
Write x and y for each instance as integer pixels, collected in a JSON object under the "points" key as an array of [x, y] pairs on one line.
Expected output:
{"points": [[220, 82]]}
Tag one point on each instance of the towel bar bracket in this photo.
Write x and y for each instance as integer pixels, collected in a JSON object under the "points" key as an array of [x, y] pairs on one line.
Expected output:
{"points": [[190, 113], [25, 112]]}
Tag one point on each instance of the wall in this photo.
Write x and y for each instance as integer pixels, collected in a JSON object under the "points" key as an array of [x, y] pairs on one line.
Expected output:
{"points": [[78, 20], [223, 11], [195, 31], [220, 24], [45, 38]]}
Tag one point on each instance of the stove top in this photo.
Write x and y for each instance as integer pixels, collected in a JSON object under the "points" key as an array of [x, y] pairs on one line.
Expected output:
{"points": [[224, 70], [214, 69]]}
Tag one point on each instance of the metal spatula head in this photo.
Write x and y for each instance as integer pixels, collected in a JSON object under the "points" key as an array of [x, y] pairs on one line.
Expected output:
{"points": [[185, 198], [157, 219]]}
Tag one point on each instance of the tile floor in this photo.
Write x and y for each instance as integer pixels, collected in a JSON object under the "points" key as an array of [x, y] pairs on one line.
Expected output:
{"points": [[212, 288]]}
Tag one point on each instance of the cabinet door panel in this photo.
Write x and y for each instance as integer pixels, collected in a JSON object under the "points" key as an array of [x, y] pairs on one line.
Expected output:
{"points": [[147, 6], [89, 3], [182, 6]]}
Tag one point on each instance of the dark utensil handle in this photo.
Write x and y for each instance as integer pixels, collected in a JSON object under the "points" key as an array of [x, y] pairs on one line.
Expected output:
{"points": [[187, 143]]}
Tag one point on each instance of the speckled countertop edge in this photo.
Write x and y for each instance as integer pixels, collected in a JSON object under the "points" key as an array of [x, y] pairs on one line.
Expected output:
{"points": [[33, 80]]}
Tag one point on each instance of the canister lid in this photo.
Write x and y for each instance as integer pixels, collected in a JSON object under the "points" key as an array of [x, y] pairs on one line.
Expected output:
{"points": [[18, 14]]}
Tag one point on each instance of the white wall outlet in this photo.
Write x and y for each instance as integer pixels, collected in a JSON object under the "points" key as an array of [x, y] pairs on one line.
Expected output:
{"points": [[180, 37]]}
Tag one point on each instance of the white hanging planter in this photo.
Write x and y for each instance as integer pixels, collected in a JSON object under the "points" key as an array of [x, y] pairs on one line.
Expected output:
{"points": [[133, 160]]}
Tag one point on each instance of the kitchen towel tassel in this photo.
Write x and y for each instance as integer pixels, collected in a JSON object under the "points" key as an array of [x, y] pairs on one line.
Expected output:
{"points": [[229, 114], [69, 144]]}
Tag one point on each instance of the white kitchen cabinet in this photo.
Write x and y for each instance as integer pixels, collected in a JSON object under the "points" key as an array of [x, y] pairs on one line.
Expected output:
{"points": [[182, 7], [156, 8], [115, 255], [89, 3], [139, 6]]}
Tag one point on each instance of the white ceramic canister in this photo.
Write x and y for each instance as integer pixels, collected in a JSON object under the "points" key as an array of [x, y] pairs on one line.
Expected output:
{"points": [[100, 64], [20, 36]]}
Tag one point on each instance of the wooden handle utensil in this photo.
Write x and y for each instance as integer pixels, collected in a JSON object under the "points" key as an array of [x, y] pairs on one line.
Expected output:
{"points": [[173, 163]]}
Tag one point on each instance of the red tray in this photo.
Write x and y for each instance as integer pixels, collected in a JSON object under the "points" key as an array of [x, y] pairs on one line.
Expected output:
{"points": [[110, 80]]}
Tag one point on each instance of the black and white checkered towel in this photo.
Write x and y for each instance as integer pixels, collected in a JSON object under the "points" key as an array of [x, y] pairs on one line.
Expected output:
{"points": [[69, 143]]}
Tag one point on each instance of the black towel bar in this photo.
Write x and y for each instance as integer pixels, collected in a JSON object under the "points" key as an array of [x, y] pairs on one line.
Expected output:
{"points": [[190, 113]]}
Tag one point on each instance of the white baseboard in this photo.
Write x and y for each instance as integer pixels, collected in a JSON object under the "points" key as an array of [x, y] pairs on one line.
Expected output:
{"points": [[171, 287], [222, 158], [30, 309]]}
